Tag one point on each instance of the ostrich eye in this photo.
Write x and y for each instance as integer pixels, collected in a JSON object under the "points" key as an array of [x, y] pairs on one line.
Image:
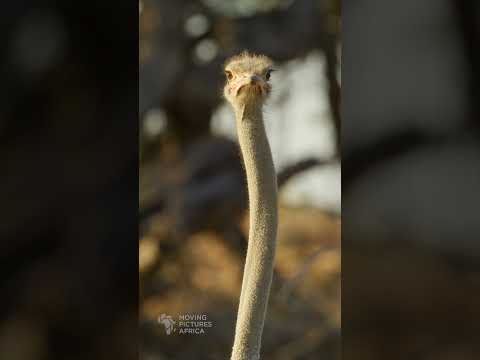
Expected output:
{"points": [[268, 74], [229, 75]]}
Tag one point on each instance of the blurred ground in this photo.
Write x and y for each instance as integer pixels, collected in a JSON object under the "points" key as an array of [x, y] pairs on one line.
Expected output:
{"points": [[204, 276]]}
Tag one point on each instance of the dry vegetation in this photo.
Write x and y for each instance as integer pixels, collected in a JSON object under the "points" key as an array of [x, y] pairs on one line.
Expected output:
{"points": [[203, 275]]}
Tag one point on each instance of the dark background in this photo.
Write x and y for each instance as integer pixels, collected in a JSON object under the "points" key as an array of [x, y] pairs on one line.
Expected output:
{"points": [[410, 180], [68, 180]]}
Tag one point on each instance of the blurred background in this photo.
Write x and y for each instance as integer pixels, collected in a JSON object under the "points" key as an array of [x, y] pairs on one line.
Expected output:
{"points": [[193, 200], [410, 180], [69, 196], [69, 180]]}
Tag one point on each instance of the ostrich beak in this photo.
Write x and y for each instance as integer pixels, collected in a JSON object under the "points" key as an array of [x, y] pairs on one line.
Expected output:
{"points": [[251, 81]]}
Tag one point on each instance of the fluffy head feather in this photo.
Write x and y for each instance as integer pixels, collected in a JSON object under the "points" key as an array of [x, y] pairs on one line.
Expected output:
{"points": [[247, 79]]}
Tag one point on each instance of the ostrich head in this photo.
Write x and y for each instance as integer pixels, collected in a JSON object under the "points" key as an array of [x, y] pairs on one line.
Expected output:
{"points": [[247, 80]]}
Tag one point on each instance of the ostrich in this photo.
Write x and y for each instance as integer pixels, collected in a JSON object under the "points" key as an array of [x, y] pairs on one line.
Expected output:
{"points": [[246, 89]]}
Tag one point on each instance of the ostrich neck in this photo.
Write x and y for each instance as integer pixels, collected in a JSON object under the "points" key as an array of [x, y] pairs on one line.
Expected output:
{"points": [[262, 194]]}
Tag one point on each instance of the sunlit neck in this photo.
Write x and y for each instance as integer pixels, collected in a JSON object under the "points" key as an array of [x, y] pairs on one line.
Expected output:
{"points": [[252, 111]]}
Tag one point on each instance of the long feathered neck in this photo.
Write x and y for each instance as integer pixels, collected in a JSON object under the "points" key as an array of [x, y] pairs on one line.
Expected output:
{"points": [[262, 194]]}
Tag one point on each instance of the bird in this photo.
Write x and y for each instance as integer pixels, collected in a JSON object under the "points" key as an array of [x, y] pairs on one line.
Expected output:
{"points": [[247, 88]]}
